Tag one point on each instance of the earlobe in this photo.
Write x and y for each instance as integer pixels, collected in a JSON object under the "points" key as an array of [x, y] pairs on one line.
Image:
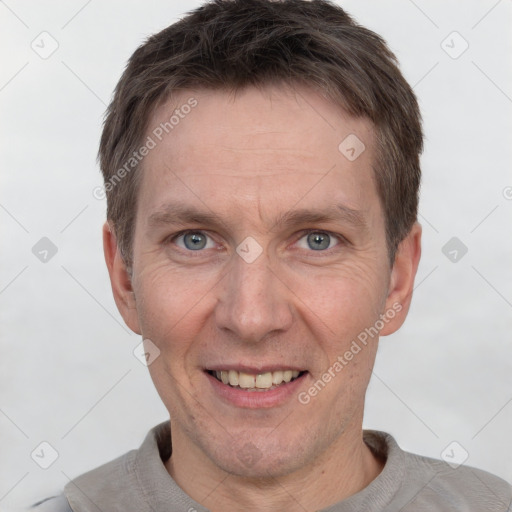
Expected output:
{"points": [[120, 279], [401, 281]]}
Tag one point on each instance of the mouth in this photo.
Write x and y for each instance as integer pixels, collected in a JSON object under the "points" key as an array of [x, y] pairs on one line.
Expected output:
{"points": [[260, 382]]}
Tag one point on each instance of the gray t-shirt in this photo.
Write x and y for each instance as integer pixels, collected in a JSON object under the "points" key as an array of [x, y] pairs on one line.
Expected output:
{"points": [[139, 481]]}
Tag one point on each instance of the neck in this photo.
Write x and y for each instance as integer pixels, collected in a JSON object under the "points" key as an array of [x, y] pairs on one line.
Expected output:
{"points": [[347, 467]]}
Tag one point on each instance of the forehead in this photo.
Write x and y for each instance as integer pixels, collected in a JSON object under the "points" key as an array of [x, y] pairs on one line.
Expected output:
{"points": [[274, 144]]}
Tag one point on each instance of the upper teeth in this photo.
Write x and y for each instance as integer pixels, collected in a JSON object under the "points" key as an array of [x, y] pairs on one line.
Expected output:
{"points": [[261, 381]]}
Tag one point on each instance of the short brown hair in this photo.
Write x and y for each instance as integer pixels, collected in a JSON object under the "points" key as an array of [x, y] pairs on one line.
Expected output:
{"points": [[232, 44]]}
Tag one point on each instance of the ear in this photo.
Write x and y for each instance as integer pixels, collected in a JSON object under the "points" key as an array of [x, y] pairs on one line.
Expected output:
{"points": [[401, 282], [120, 279]]}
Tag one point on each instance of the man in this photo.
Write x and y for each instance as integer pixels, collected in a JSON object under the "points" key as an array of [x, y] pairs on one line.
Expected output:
{"points": [[261, 165]]}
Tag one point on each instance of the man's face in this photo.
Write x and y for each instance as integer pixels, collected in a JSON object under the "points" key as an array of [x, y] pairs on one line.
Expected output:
{"points": [[282, 265]]}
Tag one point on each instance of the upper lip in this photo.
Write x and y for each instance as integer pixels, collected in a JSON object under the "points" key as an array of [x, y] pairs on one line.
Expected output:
{"points": [[254, 370]]}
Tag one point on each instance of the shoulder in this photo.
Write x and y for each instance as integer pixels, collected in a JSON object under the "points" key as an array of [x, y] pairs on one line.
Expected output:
{"points": [[104, 484], [109, 485], [462, 487], [124, 483], [107, 481], [428, 484]]}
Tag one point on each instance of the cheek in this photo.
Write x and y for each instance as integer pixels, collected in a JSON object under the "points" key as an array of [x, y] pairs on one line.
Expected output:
{"points": [[171, 315], [345, 299], [169, 303]]}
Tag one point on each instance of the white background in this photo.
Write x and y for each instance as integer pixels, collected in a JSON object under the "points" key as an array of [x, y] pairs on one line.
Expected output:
{"points": [[67, 372]]}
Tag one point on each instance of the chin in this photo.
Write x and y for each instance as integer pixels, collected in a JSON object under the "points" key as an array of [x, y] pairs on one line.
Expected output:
{"points": [[253, 456]]}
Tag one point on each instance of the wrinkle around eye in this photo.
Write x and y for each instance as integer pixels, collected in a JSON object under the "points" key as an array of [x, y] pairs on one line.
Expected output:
{"points": [[336, 241]]}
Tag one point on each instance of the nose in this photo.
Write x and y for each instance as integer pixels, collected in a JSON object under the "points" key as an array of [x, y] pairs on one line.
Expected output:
{"points": [[253, 303]]}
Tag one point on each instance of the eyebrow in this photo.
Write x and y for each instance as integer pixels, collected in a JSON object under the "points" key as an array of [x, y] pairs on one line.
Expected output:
{"points": [[180, 214], [335, 213]]}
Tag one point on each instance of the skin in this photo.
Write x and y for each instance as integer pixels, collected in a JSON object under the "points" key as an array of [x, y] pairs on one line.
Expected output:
{"points": [[250, 158]]}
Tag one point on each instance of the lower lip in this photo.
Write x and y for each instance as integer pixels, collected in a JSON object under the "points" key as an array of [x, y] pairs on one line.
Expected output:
{"points": [[240, 397]]}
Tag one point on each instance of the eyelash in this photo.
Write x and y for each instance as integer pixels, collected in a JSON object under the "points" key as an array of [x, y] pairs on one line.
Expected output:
{"points": [[339, 238]]}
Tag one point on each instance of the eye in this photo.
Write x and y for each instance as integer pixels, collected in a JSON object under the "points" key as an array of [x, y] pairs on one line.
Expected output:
{"points": [[193, 241], [318, 241]]}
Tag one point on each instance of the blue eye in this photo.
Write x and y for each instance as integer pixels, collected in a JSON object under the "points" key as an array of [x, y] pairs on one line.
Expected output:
{"points": [[193, 241], [318, 241], [313, 240]]}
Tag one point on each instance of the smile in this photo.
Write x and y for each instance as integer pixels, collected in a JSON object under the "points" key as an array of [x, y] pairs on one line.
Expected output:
{"points": [[255, 382]]}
